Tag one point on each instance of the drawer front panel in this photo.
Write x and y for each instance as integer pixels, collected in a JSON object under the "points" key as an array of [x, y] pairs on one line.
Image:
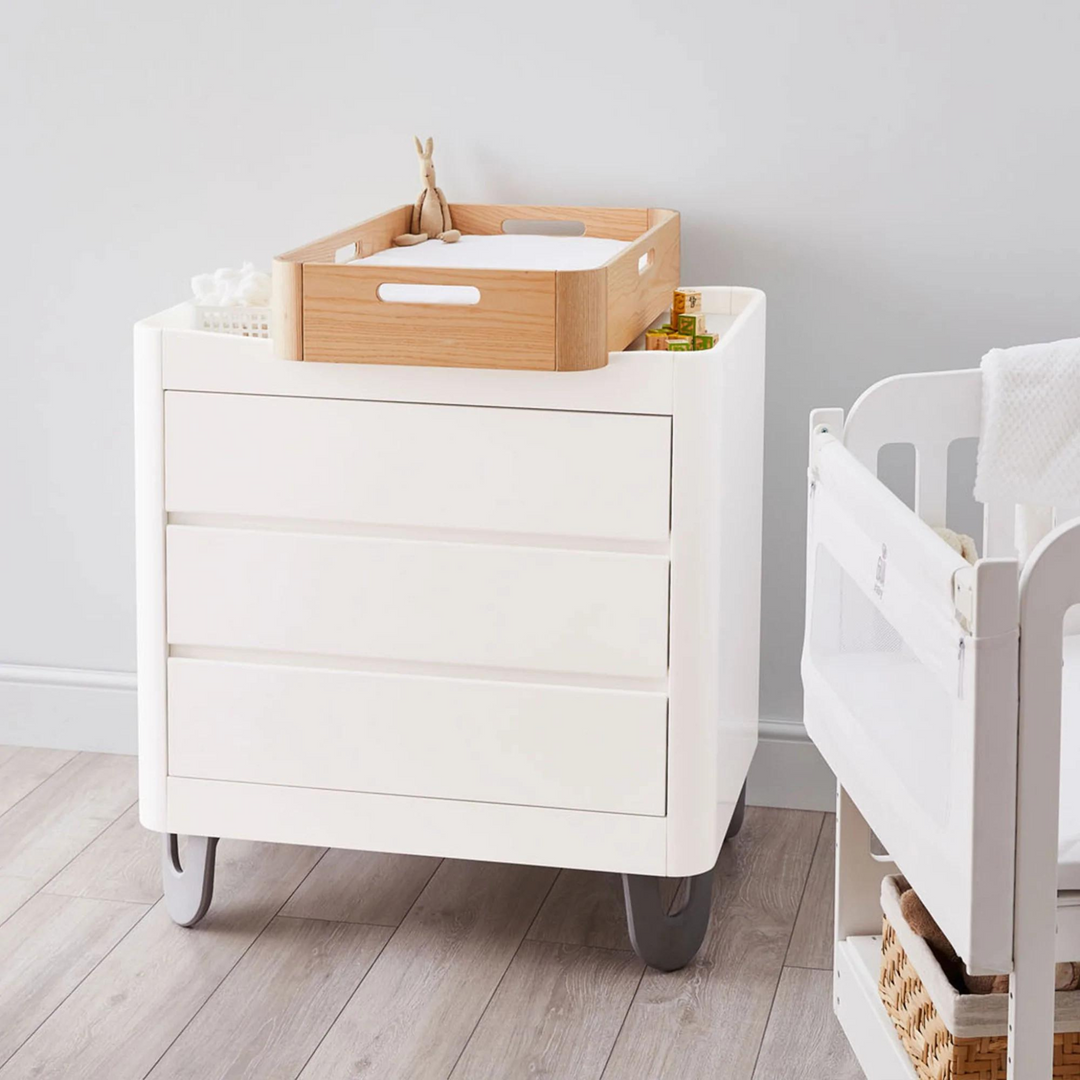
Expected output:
{"points": [[596, 613], [475, 740], [534, 471]]}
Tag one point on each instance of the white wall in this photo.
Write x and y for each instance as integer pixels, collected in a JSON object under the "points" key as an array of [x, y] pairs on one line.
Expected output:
{"points": [[900, 177]]}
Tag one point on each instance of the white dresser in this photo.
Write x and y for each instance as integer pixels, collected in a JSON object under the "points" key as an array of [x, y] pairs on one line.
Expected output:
{"points": [[483, 614]]}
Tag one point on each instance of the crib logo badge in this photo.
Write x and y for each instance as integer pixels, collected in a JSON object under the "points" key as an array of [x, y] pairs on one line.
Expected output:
{"points": [[879, 577]]}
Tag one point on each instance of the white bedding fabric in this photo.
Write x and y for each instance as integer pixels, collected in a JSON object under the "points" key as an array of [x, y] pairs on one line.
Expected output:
{"points": [[1069, 818], [1029, 439], [504, 252]]}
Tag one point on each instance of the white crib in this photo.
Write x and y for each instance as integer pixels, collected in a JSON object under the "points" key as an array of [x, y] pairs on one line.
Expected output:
{"points": [[486, 614], [934, 690]]}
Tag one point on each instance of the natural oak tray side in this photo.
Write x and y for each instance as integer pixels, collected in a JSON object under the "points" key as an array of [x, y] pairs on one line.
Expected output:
{"points": [[512, 325], [581, 319], [287, 308], [634, 294], [375, 234], [614, 223]]}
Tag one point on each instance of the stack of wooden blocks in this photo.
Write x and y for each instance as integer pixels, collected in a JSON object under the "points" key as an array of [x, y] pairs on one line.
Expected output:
{"points": [[686, 331]]}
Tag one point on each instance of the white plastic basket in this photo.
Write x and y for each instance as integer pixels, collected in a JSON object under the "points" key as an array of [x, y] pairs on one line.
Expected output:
{"points": [[237, 319]]}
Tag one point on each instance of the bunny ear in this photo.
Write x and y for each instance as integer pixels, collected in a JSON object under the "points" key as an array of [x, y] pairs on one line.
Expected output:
{"points": [[429, 146], [419, 148]]}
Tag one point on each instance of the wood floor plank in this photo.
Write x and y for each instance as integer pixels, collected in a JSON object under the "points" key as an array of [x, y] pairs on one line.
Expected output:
{"points": [[583, 908], [8, 752], [556, 1013], [812, 940], [49, 946], [269, 1014], [14, 892], [41, 833], [24, 768], [708, 1019], [123, 863], [414, 1013], [803, 1040], [128, 1011], [362, 887]]}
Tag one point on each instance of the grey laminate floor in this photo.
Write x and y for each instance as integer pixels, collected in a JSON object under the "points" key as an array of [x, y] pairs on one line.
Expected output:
{"points": [[332, 965]]}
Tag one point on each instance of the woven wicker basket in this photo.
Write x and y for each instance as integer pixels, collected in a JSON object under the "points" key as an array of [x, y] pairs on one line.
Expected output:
{"points": [[933, 1050]]}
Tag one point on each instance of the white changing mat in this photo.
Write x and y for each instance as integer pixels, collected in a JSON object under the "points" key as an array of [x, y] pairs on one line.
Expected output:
{"points": [[1069, 819], [503, 252]]}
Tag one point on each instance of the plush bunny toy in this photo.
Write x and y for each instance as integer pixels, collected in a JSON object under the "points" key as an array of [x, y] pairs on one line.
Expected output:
{"points": [[431, 214]]}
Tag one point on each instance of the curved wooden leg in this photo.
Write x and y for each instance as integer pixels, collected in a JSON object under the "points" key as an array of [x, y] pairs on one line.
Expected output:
{"points": [[663, 941], [188, 889], [737, 817]]}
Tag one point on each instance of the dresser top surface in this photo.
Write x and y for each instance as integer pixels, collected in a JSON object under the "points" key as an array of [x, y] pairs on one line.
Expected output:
{"points": [[635, 381]]}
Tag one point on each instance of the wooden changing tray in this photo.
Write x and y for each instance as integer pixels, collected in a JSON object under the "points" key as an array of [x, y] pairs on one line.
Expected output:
{"points": [[325, 309]]}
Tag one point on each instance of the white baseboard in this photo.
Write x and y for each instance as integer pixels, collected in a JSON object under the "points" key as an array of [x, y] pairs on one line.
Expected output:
{"points": [[788, 771], [67, 708], [71, 709]]}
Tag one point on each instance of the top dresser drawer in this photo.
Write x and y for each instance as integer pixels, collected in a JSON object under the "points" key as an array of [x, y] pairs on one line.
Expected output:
{"points": [[525, 471]]}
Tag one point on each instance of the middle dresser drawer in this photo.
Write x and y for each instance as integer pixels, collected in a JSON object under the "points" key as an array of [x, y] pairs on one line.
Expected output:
{"points": [[515, 607], [542, 472]]}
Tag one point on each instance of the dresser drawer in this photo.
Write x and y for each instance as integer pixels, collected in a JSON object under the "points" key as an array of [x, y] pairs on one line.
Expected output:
{"points": [[444, 738], [516, 607], [531, 471]]}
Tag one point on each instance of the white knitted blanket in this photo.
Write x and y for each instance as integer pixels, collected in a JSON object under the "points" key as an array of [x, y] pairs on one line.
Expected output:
{"points": [[1029, 444]]}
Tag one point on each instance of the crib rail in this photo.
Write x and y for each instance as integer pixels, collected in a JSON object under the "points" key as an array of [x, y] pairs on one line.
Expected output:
{"points": [[891, 555], [1049, 587], [930, 411], [913, 706]]}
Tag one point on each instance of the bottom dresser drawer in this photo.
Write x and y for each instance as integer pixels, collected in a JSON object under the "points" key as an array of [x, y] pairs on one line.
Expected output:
{"points": [[538, 745]]}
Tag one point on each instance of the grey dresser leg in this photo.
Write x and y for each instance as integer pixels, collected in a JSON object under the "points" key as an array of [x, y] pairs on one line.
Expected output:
{"points": [[737, 817], [190, 888], [663, 941]]}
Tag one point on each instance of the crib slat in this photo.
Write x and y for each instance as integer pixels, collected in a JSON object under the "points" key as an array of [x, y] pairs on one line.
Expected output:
{"points": [[999, 531], [931, 481]]}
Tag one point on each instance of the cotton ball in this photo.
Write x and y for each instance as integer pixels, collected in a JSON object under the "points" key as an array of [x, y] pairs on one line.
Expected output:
{"points": [[229, 287], [204, 287], [254, 289], [227, 279]]}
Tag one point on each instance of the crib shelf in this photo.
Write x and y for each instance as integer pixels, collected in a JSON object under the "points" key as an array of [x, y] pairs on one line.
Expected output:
{"points": [[328, 307], [861, 1014]]}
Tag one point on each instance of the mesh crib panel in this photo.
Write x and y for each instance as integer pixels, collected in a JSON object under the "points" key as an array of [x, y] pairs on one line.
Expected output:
{"points": [[899, 702]]}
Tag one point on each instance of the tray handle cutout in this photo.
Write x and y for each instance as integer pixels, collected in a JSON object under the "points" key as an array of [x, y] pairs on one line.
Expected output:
{"points": [[645, 263], [542, 227], [392, 292]]}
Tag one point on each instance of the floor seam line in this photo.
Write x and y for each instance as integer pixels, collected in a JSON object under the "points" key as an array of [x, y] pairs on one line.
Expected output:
{"points": [[790, 934], [206, 1001], [371, 967], [802, 894], [44, 780], [510, 963], [59, 1004], [48, 881], [626, 1016]]}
